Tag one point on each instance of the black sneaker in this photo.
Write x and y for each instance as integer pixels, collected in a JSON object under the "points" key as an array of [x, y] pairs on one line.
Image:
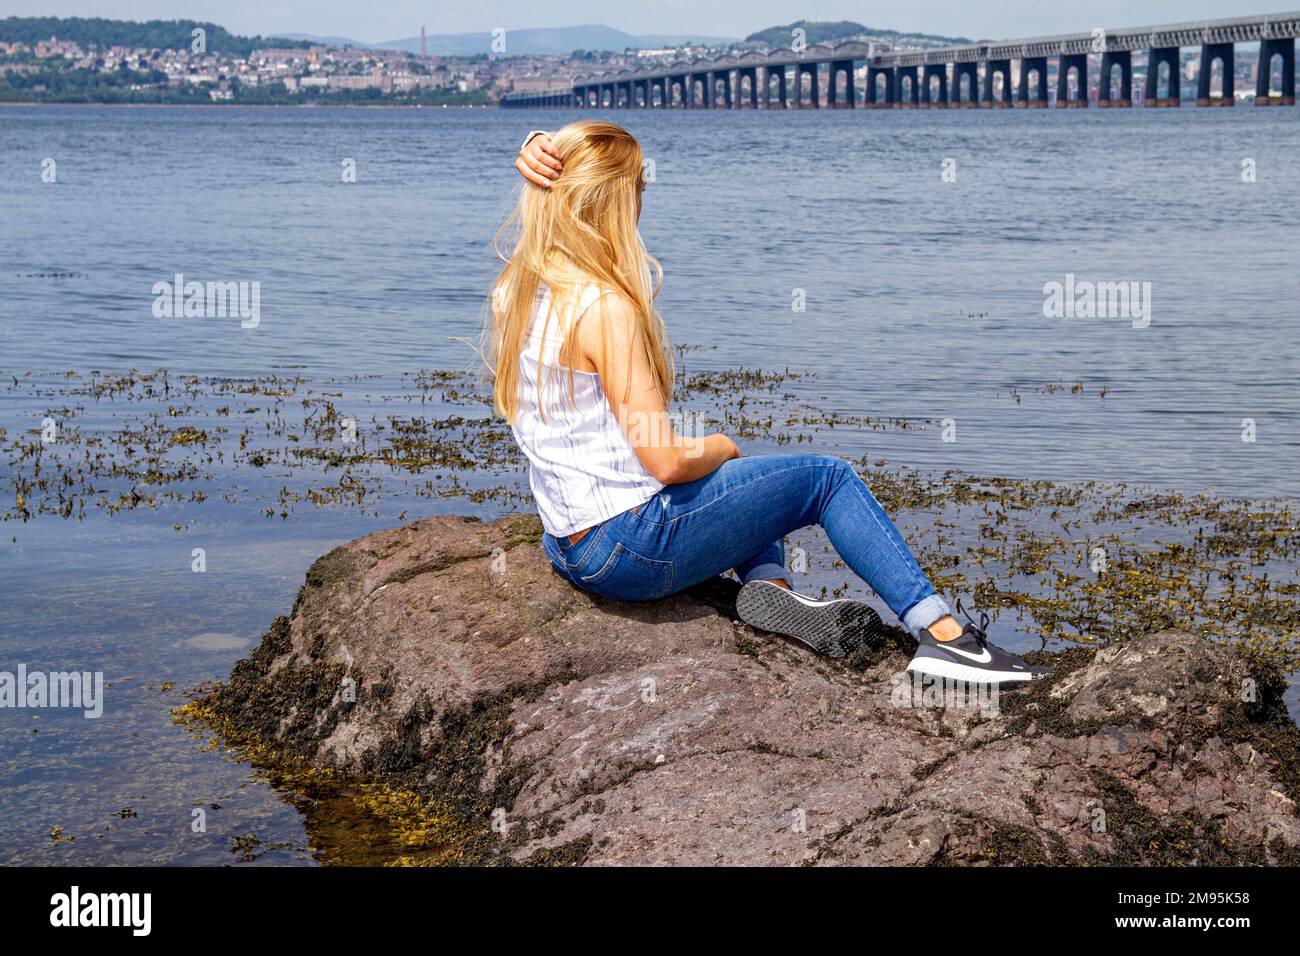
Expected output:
{"points": [[833, 628], [971, 657]]}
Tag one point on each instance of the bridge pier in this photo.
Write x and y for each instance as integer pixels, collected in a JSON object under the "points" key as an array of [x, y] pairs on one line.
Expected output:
{"points": [[907, 96], [832, 93], [1124, 60], [1209, 53], [1079, 62], [705, 102], [683, 92], [814, 86], [930, 71], [723, 76], [1264, 73], [872, 100], [991, 69], [782, 87], [752, 101], [1170, 56], [1038, 66], [971, 72]]}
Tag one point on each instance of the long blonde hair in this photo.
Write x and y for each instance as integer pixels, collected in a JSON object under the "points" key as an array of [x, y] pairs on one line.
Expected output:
{"points": [[581, 230]]}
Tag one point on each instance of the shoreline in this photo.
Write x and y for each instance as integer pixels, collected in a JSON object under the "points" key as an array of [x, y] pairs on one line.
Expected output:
{"points": [[1080, 561], [121, 380]]}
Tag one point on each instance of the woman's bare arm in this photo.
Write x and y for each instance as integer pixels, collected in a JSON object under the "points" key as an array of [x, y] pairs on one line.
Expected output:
{"points": [[607, 337]]}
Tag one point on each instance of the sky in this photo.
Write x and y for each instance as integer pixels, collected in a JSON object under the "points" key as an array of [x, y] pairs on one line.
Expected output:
{"points": [[374, 22]]}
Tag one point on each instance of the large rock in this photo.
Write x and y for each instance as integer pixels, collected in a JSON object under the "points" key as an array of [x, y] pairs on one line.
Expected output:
{"points": [[446, 657]]}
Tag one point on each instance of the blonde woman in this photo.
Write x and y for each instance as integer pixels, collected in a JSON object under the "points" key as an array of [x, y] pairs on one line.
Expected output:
{"points": [[632, 510]]}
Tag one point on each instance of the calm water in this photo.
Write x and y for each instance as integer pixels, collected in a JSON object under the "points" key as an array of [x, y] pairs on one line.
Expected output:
{"points": [[924, 300]]}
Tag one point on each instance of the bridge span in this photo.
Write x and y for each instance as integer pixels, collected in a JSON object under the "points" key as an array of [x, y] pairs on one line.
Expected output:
{"points": [[951, 77]]}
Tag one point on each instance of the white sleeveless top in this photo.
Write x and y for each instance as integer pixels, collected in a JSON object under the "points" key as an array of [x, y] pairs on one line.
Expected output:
{"points": [[582, 469]]}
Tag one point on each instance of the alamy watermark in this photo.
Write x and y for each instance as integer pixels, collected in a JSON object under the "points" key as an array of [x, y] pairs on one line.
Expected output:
{"points": [[36, 690], [686, 429], [921, 691], [75, 908], [208, 300], [1081, 299]]}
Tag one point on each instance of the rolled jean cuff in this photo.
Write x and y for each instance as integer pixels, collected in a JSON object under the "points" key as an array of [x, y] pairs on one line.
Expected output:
{"points": [[767, 572], [924, 613]]}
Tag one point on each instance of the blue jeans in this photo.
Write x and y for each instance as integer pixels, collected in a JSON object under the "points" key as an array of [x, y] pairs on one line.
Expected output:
{"points": [[736, 517]]}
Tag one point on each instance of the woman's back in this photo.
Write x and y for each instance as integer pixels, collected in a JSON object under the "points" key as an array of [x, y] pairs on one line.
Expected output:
{"points": [[582, 468]]}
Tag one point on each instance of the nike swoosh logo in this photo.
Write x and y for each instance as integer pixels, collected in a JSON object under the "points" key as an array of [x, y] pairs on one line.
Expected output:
{"points": [[983, 657]]}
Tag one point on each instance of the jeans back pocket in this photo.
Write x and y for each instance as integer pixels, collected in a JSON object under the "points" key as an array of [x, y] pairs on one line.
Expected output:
{"points": [[627, 576]]}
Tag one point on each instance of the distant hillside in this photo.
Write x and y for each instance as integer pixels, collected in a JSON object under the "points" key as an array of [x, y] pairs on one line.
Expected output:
{"points": [[321, 41], [841, 30], [152, 34], [557, 41]]}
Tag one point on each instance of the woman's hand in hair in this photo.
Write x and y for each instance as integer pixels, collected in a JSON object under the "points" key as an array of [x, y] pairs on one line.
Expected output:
{"points": [[538, 162]]}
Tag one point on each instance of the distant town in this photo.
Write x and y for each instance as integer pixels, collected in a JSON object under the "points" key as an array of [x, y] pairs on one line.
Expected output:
{"points": [[56, 70], [76, 60]]}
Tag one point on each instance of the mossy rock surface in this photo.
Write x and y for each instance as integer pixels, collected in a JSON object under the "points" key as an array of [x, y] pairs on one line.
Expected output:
{"points": [[446, 660]]}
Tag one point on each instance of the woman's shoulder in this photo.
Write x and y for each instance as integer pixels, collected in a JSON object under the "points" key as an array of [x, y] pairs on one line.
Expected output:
{"points": [[590, 296], [570, 296], [571, 302]]}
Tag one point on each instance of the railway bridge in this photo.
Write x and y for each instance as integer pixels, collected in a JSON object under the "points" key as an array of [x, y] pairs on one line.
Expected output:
{"points": [[970, 76]]}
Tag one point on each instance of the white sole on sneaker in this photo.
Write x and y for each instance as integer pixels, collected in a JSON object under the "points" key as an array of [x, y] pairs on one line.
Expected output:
{"points": [[955, 670]]}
